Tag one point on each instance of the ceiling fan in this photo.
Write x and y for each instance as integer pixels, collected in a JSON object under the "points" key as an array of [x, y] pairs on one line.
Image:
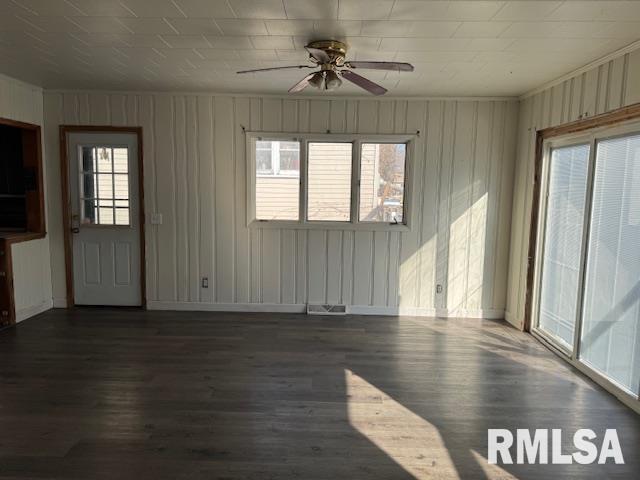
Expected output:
{"points": [[330, 55]]}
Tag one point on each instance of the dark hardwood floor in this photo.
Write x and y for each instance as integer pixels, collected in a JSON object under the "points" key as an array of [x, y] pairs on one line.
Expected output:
{"points": [[128, 394]]}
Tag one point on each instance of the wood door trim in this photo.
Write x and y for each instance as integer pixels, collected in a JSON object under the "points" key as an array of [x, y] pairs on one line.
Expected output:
{"points": [[65, 130], [631, 112]]}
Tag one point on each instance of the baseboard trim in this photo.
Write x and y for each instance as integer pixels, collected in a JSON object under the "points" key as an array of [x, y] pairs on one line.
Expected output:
{"points": [[227, 307], [302, 308], [424, 312], [32, 310]]}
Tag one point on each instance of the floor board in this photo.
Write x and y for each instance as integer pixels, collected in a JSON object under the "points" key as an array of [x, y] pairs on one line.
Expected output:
{"points": [[120, 394]]}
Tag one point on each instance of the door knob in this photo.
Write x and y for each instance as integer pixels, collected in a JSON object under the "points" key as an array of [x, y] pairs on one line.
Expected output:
{"points": [[75, 230]]}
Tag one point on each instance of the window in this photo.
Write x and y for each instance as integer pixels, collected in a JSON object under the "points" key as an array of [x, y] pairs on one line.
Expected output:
{"points": [[278, 158], [104, 185], [277, 187], [382, 182], [329, 181], [344, 181]]}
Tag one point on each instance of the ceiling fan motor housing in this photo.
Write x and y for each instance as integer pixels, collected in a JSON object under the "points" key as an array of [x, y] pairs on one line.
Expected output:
{"points": [[336, 50]]}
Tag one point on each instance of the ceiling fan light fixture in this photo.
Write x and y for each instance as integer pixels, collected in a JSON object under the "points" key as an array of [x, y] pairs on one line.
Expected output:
{"points": [[332, 80], [316, 80]]}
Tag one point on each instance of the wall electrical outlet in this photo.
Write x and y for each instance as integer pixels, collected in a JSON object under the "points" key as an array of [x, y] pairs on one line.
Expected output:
{"points": [[205, 282], [438, 288]]}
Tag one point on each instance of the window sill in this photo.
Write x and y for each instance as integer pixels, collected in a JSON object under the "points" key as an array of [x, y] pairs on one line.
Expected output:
{"points": [[360, 227]]}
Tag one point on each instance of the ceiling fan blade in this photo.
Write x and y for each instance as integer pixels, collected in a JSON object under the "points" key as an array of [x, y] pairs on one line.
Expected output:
{"points": [[362, 82], [320, 55], [394, 66], [276, 68], [302, 84]]}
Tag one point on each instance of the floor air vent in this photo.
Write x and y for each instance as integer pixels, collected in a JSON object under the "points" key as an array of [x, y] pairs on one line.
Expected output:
{"points": [[326, 309]]}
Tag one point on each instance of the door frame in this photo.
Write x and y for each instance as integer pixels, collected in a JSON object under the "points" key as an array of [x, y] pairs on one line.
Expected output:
{"points": [[624, 114], [65, 130], [577, 128]]}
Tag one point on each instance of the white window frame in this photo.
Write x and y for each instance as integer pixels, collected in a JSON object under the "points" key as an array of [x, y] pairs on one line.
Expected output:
{"points": [[356, 140]]}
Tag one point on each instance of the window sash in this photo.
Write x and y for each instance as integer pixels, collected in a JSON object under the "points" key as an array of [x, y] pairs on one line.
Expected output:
{"points": [[354, 223]]}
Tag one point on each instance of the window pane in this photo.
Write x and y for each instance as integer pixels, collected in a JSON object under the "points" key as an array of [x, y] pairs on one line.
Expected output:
{"points": [[610, 340], [106, 215], [104, 159], [289, 158], [122, 216], [89, 186], [120, 160], [121, 186], [382, 182], [105, 185], [562, 239], [263, 157], [88, 159], [89, 212], [329, 180], [277, 196]]}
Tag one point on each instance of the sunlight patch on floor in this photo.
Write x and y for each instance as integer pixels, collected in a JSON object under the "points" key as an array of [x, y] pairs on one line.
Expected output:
{"points": [[419, 450]]}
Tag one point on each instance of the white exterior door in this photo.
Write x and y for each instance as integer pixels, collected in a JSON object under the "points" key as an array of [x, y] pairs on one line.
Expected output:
{"points": [[103, 183]]}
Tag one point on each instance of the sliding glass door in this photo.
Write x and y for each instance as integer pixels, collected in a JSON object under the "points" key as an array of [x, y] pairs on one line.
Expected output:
{"points": [[587, 293], [561, 251], [610, 341]]}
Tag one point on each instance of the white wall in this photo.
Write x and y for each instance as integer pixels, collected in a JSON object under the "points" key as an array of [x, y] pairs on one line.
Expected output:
{"points": [[194, 164], [31, 266], [606, 87]]}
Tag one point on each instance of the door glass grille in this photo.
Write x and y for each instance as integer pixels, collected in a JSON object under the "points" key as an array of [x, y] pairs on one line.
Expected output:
{"points": [[104, 185]]}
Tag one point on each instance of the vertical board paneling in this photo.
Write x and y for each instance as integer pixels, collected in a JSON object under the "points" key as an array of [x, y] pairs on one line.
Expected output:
{"points": [[632, 82], [317, 263], [195, 165], [270, 245], [461, 183], [224, 190], [192, 185], [146, 120], [165, 161], [181, 206], [255, 235], [479, 240], [603, 88], [206, 180]]}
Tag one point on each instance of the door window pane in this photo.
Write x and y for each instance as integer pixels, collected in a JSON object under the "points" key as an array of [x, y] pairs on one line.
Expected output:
{"points": [[329, 182], [382, 167], [104, 179], [277, 180], [610, 341], [563, 232]]}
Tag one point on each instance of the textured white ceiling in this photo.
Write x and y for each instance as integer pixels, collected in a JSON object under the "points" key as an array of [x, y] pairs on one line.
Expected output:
{"points": [[457, 47]]}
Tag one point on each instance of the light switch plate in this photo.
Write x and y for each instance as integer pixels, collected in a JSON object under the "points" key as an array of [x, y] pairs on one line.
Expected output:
{"points": [[156, 219]]}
